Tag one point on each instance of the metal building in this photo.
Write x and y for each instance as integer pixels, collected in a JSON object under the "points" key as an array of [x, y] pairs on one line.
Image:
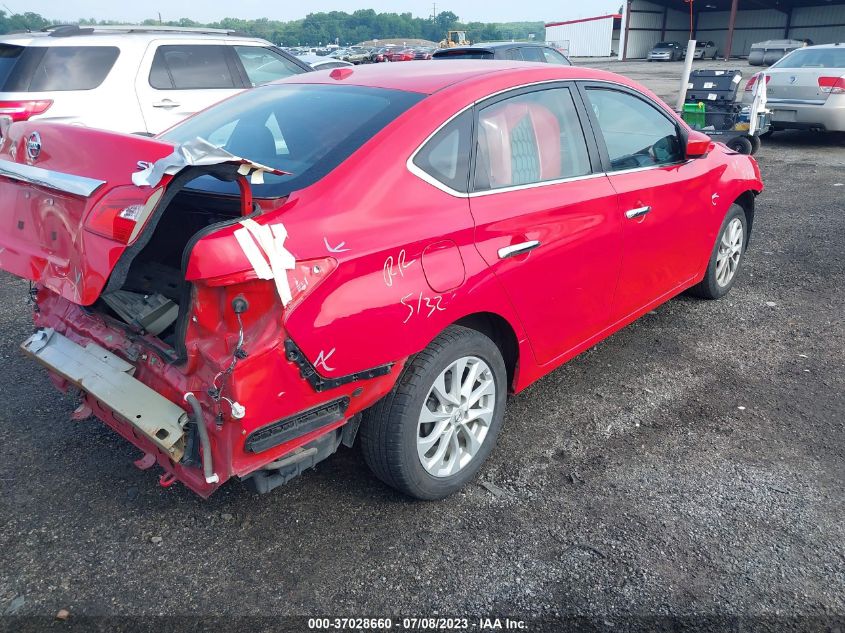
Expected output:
{"points": [[588, 37], [733, 25]]}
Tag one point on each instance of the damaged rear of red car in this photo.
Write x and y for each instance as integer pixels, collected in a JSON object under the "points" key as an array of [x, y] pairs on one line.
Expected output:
{"points": [[163, 306]]}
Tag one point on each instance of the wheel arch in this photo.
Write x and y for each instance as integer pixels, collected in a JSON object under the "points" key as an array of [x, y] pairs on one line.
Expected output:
{"points": [[501, 332], [746, 201]]}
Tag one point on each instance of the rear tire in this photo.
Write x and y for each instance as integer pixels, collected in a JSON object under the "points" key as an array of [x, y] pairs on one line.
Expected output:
{"points": [[756, 143], [726, 257], [427, 438]]}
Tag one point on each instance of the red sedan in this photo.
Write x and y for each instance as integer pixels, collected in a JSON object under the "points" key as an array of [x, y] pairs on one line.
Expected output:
{"points": [[266, 281], [401, 55]]}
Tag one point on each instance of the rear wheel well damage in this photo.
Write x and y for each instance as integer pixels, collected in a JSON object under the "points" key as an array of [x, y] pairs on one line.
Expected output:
{"points": [[497, 329], [746, 201]]}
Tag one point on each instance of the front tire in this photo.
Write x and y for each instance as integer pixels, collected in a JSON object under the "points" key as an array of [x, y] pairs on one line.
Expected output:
{"points": [[726, 257], [431, 434]]}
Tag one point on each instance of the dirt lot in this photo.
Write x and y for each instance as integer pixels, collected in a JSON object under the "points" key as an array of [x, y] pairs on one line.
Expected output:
{"points": [[692, 465]]}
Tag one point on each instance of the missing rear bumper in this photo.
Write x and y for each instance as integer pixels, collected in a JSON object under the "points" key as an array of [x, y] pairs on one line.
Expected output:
{"points": [[109, 380]]}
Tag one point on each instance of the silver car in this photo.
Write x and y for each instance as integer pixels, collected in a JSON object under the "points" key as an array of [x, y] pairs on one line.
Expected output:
{"points": [[704, 50], [665, 52], [806, 89]]}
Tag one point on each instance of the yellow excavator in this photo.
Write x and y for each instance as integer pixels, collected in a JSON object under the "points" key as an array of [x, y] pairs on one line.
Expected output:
{"points": [[455, 38]]}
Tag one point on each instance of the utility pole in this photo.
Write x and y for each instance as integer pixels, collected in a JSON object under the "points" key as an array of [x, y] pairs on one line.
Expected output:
{"points": [[434, 12]]}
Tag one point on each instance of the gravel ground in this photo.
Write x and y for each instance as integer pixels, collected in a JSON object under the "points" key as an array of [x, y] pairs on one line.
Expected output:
{"points": [[691, 467]]}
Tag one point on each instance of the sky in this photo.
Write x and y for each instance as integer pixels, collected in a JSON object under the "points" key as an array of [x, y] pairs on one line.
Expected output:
{"points": [[212, 10]]}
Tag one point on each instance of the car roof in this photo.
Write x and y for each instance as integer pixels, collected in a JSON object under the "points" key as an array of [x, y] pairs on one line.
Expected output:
{"points": [[427, 78], [834, 45], [99, 35]]}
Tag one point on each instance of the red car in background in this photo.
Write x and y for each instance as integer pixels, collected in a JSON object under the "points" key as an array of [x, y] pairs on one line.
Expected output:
{"points": [[242, 305], [401, 55]]}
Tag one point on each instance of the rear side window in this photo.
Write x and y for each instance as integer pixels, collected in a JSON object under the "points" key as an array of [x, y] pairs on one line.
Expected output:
{"points": [[191, 67], [514, 54], [530, 138], [57, 68], [263, 65], [532, 54], [446, 156]]}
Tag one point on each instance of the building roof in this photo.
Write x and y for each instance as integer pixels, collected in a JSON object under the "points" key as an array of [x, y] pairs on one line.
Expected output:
{"points": [[615, 16]]}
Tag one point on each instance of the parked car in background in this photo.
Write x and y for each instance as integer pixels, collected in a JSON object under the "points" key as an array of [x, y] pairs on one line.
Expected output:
{"points": [[131, 79], [323, 62], [703, 50], [768, 52], [400, 55], [339, 53], [666, 52], [805, 89], [515, 51], [423, 52], [358, 55], [382, 53], [244, 317]]}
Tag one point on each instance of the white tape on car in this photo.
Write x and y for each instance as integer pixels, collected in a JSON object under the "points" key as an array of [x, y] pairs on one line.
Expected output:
{"points": [[264, 247]]}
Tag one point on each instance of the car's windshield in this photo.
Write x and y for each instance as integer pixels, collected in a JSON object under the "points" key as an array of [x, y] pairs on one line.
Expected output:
{"points": [[813, 58], [663, 45], [306, 130]]}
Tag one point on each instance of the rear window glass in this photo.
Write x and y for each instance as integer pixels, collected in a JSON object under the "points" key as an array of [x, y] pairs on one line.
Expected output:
{"points": [[814, 58], [58, 68], [481, 54], [306, 130], [191, 67], [9, 56]]}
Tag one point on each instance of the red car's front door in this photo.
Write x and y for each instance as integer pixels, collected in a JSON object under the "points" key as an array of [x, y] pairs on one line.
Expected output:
{"points": [[546, 222], [663, 198]]}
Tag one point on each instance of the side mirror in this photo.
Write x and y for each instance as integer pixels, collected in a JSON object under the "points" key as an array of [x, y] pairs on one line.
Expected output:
{"points": [[699, 144]]}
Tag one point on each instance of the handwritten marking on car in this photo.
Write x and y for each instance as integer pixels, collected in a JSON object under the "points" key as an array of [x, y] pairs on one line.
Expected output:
{"points": [[432, 305], [322, 358], [714, 198], [395, 268], [335, 249]]}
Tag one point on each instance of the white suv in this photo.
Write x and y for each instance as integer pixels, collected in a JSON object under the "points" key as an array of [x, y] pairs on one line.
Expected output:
{"points": [[130, 79]]}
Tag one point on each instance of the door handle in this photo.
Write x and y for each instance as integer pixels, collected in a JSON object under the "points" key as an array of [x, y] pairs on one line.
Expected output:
{"points": [[518, 249], [166, 103], [637, 213]]}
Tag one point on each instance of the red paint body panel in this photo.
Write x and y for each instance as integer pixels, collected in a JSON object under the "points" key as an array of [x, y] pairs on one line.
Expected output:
{"points": [[42, 236], [414, 259]]}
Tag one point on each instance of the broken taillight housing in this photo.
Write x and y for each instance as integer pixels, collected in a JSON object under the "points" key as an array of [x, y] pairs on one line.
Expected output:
{"points": [[832, 85], [122, 213], [23, 110], [307, 276], [753, 80]]}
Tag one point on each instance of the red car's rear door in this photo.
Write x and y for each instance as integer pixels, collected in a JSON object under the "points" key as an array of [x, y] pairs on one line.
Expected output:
{"points": [[663, 198], [546, 219]]}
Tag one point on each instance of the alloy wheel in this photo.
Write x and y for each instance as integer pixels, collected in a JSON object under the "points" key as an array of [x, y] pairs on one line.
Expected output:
{"points": [[456, 416], [730, 251]]}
